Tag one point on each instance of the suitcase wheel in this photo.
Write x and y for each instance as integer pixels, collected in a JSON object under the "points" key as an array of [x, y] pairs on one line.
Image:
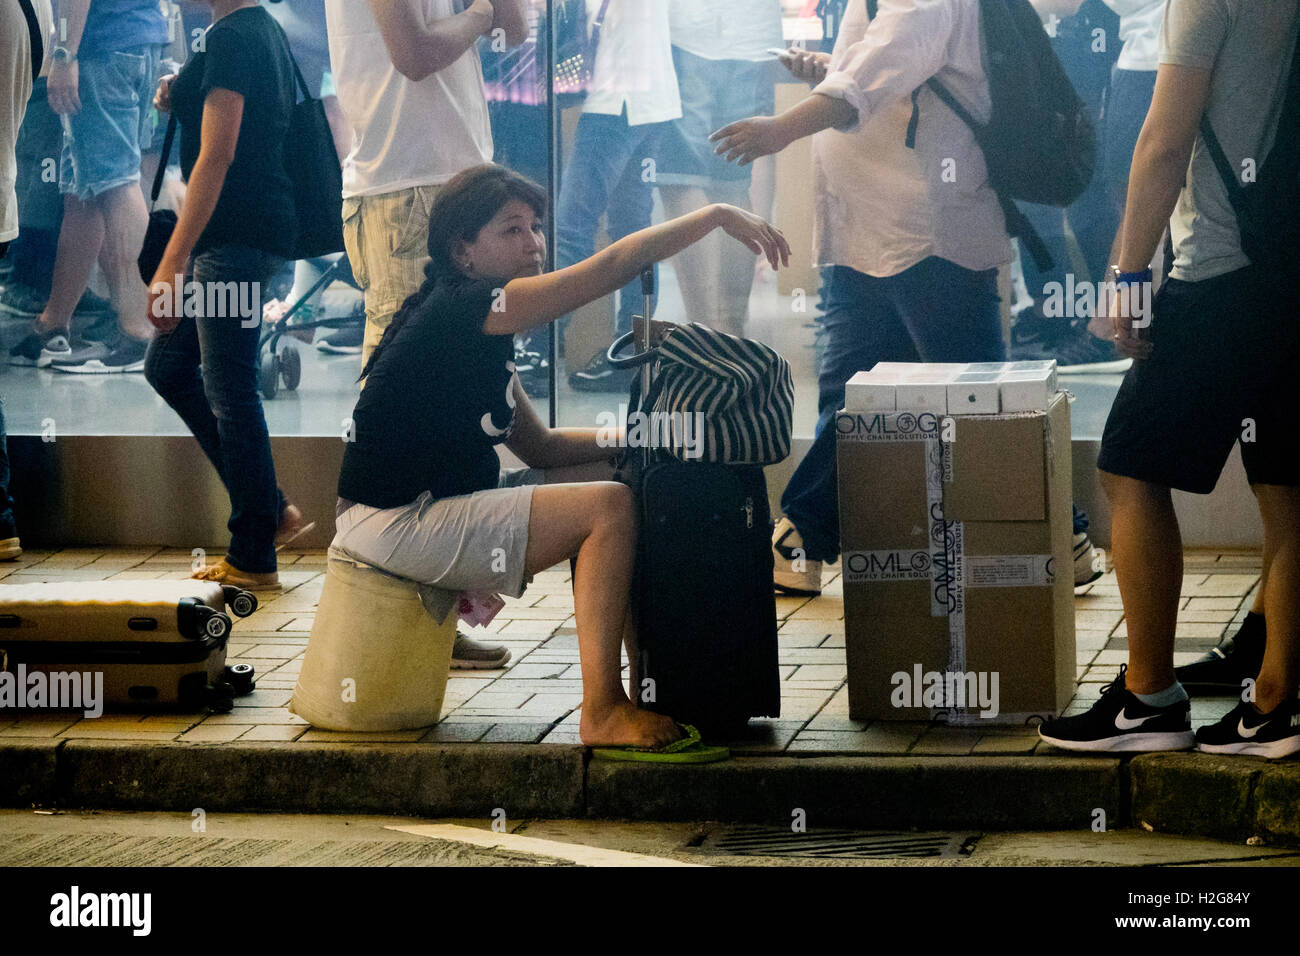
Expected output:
{"points": [[217, 626], [240, 677], [221, 697], [242, 603]]}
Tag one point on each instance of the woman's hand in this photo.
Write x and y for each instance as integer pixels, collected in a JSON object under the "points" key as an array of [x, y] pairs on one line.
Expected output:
{"points": [[162, 298], [750, 139], [756, 233], [807, 65], [162, 99]]}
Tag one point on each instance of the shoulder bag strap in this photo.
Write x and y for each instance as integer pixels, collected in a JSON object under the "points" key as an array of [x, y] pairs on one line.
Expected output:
{"points": [[288, 49], [1221, 163], [163, 159]]}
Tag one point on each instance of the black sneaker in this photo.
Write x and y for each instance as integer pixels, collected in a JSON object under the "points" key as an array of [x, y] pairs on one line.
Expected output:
{"points": [[1036, 337], [102, 329], [39, 349], [23, 300], [1089, 561], [93, 305], [343, 342], [1244, 730], [1222, 669], [1120, 723], [599, 376], [533, 369], [78, 355], [126, 356]]}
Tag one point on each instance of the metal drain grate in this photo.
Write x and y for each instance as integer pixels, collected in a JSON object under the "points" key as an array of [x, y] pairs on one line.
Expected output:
{"points": [[838, 844]]}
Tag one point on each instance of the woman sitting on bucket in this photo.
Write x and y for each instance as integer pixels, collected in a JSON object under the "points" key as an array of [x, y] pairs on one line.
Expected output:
{"points": [[422, 494]]}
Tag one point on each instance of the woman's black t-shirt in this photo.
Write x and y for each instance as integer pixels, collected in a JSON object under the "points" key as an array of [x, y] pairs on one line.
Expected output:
{"points": [[435, 405], [244, 52]]}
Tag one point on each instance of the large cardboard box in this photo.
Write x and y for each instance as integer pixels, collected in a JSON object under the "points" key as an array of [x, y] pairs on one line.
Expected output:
{"points": [[957, 562]]}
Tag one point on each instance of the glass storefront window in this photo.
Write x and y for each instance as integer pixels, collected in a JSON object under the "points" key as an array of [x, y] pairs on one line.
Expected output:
{"points": [[667, 73]]}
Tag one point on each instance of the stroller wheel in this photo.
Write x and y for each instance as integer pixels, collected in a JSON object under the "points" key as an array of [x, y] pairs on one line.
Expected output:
{"points": [[290, 365], [270, 376]]}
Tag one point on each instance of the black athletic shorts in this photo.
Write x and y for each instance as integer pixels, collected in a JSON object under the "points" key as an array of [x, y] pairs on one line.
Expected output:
{"points": [[1224, 367]]}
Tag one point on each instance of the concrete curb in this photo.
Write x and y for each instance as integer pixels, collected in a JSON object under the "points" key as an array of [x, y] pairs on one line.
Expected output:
{"points": [[1232, 798], [27, 772], [1197, 794], [429, 780], [999, 793]]}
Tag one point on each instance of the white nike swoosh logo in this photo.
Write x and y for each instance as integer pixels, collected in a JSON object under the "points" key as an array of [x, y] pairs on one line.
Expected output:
{"points": [[1249, 732], [1127, 723]]}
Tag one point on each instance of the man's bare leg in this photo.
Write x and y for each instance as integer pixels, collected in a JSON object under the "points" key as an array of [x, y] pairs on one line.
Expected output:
{"points": [[125, 220], [1148, 552], [80, 239], [1279, 677]]}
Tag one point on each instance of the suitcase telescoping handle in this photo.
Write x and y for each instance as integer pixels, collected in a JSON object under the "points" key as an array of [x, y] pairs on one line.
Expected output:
{"points": [[645, 352]]}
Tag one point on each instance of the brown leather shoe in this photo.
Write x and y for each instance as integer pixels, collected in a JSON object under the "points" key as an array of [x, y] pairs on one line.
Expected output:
{"points": [[223, 572]]}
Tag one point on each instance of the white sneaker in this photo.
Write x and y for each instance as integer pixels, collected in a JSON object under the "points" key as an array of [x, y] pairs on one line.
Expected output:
{"points": [[1089, 562], [793, 573]]}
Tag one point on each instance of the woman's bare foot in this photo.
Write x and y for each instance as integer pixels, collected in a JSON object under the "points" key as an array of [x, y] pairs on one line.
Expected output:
{"points": [[623, 725]]}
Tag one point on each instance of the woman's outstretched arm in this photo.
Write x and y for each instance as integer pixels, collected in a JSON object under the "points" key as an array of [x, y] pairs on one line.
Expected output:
{"points": [[529, 302]]}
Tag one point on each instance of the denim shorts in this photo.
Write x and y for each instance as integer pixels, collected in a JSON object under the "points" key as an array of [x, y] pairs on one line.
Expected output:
{"points": [[103, 140], [715, 93]]}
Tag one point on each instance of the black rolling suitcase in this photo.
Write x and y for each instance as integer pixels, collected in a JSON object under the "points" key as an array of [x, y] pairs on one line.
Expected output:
{"points": [[706, 611], [156, 643]]}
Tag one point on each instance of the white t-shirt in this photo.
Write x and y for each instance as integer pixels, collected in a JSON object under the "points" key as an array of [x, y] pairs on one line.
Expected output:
{"points": [[1248, 45], [634, 63], [16, 67], [726, 29], [1139, 30], [881, 208], [405, 134]]}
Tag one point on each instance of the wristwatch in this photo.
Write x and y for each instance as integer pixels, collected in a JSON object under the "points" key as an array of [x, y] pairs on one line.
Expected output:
{"points": [[61, 54]]}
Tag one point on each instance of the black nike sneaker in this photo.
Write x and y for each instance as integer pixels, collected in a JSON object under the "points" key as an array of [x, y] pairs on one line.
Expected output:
{"points": [[1120, 723], [1244, 730], [1222, 669]]}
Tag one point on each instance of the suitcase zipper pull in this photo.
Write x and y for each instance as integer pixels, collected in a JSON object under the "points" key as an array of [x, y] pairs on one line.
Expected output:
{"points": [[749, 512]]}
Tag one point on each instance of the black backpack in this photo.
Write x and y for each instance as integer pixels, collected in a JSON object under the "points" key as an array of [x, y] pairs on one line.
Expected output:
{"points": [[1266, 207], [1039, 145]]}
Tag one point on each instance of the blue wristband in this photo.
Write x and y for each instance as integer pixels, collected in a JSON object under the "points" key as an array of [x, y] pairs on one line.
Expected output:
{"points": [[1131, 278]]}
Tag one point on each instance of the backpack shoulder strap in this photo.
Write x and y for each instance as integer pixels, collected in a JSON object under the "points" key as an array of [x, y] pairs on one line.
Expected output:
{"points": [[37, 41], [1221, 163]]}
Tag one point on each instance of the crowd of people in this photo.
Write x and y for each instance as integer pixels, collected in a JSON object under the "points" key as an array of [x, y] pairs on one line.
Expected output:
{"points": [[434, 99]]}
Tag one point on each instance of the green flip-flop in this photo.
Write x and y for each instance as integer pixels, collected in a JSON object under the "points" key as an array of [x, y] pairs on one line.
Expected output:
{"points": [[690, 748]]}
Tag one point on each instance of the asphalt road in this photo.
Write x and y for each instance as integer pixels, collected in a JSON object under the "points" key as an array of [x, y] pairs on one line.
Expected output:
{"points": [[93, 838]]}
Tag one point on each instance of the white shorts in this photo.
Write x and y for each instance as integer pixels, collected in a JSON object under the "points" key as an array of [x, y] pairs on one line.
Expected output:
{"points": [[471, 543]]}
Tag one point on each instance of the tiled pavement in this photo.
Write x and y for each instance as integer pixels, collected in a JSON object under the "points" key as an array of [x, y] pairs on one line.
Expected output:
{"points": [[536, 699]]}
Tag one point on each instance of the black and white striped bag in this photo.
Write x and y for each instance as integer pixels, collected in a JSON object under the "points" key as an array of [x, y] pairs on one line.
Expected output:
{"points": [[742, 391]]}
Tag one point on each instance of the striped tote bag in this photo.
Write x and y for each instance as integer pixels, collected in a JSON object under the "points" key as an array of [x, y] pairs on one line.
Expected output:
{"points": [[737, 395]]}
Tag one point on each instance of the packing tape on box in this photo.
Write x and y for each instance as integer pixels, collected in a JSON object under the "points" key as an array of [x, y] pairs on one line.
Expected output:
{"points": [[946, 565]]}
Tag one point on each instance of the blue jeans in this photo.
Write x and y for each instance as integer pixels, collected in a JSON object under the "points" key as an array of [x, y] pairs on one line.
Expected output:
{"points": [[604, 176], [933, 312], [207, 369]]}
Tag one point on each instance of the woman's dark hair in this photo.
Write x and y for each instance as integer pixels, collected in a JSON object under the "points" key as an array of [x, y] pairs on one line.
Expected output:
{"points": [[467, 203]]}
